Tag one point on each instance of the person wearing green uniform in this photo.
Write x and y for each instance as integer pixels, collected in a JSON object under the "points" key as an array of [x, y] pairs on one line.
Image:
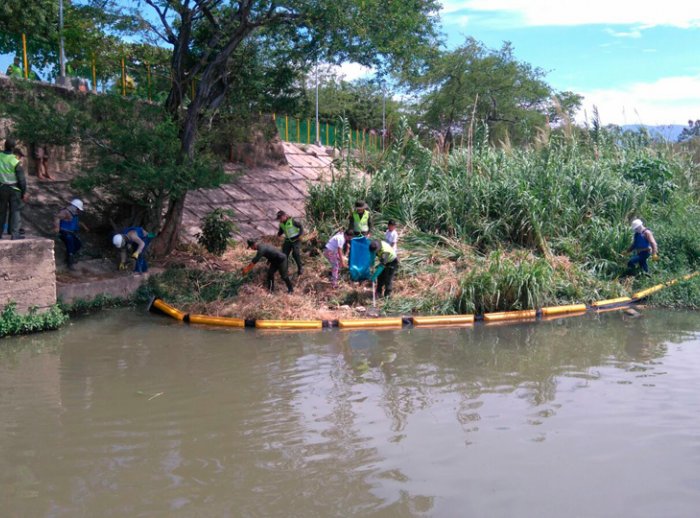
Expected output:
{"points": [[292, 230], [13, 188], [15, 69], [360, 220], [277, 263], [388, 264]]}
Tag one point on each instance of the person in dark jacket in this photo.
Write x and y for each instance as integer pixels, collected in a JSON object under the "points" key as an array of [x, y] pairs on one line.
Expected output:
{"points": [[292, 230], [277, 263]]}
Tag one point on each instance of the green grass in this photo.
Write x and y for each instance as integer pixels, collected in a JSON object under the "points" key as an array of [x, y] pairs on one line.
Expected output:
{"points": [[511, 220]]}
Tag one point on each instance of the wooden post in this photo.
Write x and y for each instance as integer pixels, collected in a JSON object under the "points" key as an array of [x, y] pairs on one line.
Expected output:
{"points": [[298, 131], [123, 79], [94, 75], [327, 141], [148, 78], [308, 131], [286, 128], [24, 56]]}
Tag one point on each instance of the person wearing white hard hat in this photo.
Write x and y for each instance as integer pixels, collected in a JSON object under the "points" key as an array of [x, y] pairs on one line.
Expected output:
{"points": [[67, 223], [134, 240], [643, 245]]}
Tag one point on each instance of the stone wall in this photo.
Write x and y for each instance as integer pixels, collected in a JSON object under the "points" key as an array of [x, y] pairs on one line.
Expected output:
{"points": [[27, 273]]}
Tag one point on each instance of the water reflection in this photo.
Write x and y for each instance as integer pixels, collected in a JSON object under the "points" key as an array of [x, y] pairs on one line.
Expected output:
{"points": [[126, 414]]}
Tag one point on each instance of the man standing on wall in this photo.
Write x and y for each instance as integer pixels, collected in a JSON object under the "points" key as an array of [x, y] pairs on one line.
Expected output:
{"points": [[13, 187], [15, 69]]}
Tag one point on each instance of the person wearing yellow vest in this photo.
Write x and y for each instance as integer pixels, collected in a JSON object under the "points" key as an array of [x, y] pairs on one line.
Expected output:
{"points": [[388, 264], [13, 187], [292, 230], [15, 69], [360, 220]]}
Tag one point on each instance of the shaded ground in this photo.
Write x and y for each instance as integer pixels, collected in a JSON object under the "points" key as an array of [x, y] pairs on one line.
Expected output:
{"points": [[258, 193]]}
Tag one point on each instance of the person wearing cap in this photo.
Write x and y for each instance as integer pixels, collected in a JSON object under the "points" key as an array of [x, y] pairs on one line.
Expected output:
{"points": [[277, 261], [643, 245], [134, 240], [13, 187], [360, 219], [392, 236], [15, 69], [67, 223], [388, 264], [292, 230], [333, 251]]}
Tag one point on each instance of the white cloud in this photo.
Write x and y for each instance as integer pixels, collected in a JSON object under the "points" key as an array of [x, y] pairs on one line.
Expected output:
{"points": [[634, 33], [645, 13], [670, 100], [352, 71]]}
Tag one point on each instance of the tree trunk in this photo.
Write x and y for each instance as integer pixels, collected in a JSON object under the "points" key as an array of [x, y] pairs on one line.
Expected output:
{"points": [[169, 236]]}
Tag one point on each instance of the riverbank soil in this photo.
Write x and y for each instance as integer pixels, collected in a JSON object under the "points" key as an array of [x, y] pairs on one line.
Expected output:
{"points": [[313, 297]]}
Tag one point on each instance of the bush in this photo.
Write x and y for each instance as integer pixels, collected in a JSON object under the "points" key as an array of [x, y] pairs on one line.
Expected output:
{"points": [[13, 323], [217, 228]]}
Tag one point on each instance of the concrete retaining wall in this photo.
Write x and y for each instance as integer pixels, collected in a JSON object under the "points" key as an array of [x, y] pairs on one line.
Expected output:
{"points": [[27, 273]]}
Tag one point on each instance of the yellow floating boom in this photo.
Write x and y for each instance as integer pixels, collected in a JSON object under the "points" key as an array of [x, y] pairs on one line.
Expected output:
{"points": [[289, 324], [447, 320], [217, 321], [510, 315]]}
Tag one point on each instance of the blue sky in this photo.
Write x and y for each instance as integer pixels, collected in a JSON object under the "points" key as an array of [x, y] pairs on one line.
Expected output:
{"points": [[637, 61]]}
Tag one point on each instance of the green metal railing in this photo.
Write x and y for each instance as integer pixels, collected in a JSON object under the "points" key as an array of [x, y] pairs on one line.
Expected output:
{"points": [[303, 131]]}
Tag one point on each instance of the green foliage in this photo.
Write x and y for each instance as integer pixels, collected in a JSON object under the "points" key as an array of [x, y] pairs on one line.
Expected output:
{"points": [[13, 323], [217, 228], [188, 286], [546, 224], [474, 84], [501, 283]]}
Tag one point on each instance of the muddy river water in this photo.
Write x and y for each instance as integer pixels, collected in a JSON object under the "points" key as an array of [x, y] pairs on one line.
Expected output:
{"points": [[130, 414]]}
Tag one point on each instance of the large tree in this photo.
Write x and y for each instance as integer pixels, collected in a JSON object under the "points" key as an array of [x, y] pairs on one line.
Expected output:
{"points": [[475, 84], [205, 34]]}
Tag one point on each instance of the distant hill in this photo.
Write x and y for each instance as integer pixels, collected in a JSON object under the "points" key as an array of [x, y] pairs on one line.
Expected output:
{"points": [[668, 132]]}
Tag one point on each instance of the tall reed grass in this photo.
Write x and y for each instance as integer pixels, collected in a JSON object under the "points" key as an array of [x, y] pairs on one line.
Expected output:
{"points": [[520, 212]]}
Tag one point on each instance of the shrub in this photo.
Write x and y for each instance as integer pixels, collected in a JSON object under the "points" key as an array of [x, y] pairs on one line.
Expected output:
{"points": [[217, 228], [14, 323]]}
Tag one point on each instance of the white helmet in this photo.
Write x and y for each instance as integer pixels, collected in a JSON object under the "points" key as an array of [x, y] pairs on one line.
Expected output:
{"points": [[637, 224], [118, 240], [78, 204]]}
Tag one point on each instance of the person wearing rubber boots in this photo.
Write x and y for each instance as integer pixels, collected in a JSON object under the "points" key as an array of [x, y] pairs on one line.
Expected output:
{"points": [[292, 230], [643, 245], [134, 240], [277, 263], [67, 224], [13, 188], [388, 264]]}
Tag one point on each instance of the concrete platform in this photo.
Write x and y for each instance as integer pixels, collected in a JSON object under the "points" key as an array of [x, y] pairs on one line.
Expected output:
{"points": [[27, 273]]}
